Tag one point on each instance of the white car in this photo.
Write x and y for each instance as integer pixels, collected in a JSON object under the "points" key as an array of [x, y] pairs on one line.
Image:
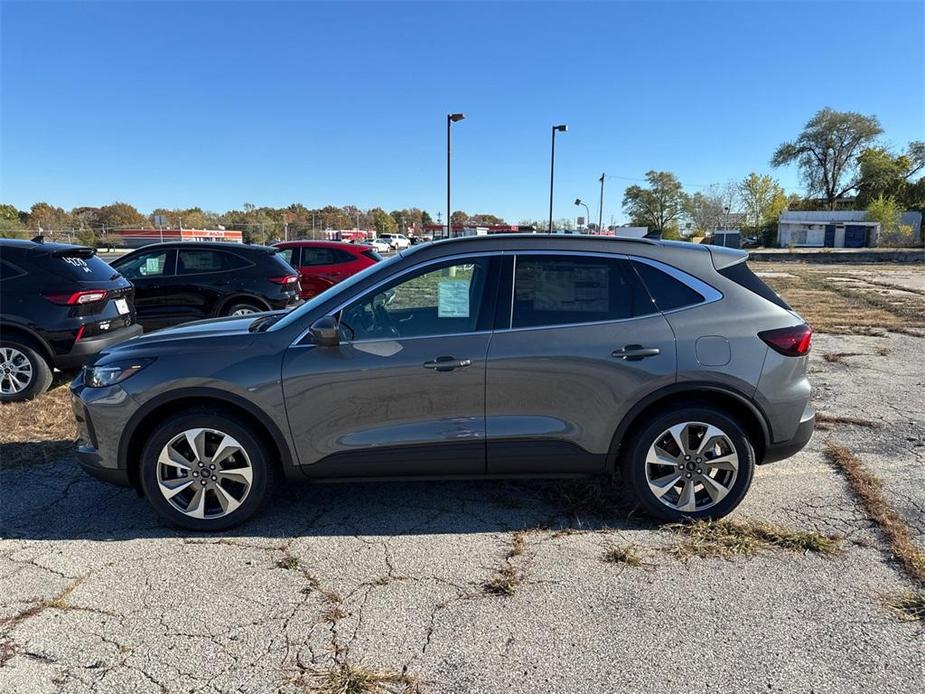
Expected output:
{"points": [[396, 241], [380, 246]]}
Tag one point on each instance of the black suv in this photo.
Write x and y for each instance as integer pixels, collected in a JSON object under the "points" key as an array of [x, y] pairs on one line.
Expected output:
{"points": [[59, 305], [186, 281]]}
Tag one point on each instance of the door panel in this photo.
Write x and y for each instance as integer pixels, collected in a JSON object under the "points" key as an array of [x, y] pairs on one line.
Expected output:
{"points": [[373, 408], [561, 386]]}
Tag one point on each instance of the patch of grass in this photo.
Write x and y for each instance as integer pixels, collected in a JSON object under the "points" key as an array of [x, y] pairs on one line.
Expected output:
{"points": [[729, 538], [288, 562], [505, 581], [840, 357], [624, 554], [37, 431], [517, 545], [868, 489], [910, 605], [356, 679], [883, 351], [823, 418]]}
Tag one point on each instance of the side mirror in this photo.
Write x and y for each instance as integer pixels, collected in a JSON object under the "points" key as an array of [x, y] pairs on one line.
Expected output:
{"points": [[325, 332]]}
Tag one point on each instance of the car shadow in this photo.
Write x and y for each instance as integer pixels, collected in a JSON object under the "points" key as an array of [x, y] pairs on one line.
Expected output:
{"points": [[58, 501]]}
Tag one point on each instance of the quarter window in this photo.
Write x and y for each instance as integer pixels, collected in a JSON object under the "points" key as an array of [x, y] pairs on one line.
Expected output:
{"points": [[563, 290], [669, 293], [437, 300]]}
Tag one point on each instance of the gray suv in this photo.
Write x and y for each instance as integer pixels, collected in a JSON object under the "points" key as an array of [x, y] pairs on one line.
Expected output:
{"points": [[499, 356]]}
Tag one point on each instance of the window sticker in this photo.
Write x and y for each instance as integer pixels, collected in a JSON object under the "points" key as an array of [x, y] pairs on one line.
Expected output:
{"points": [[453, 299], [152, 265]]}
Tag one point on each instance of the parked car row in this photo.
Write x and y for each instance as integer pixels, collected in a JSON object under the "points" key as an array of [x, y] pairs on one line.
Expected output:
{"points": [[60, 304], [500, 356]]}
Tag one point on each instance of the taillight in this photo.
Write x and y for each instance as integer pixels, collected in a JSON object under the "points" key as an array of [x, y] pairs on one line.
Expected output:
{"points": [[85, 296], [794, 341], [285, 279]]}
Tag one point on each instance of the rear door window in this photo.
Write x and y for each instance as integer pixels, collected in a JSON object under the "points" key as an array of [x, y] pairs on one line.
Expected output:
{"points": [[569, 289], [199, 261], [324, 256], [667, 292], [9, 271]]}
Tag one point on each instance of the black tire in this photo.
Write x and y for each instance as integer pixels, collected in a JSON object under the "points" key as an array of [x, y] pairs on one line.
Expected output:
{"points": [[263, 470], [633, 462], [41, 371], [242, 306]]}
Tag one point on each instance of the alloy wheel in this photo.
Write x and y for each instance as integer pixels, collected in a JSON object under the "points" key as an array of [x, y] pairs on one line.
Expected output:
{"points": [[244, 311], [15, 371], [691, 466], [204, 473]]}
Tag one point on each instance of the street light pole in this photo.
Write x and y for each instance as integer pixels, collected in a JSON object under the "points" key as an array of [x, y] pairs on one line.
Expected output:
{"points": [[552, 169], [587, 211], [450, 119], [600, 210]]}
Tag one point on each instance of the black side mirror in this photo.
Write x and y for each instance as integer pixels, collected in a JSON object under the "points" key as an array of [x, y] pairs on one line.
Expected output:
{"points": [[325, 332]]}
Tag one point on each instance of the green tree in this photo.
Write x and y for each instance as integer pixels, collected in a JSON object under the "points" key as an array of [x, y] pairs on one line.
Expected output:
{"points": [[485, 220], [460, 218], [888, 212], [827, 151], [763, 199], [382, 221], [120, 214], [426, 219], [49, 218], [659, 205], [883, 174], [706, 211], [10, 223]]}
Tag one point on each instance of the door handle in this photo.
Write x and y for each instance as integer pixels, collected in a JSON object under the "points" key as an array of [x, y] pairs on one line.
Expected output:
{"points": [[447, 364], [635, 352]]}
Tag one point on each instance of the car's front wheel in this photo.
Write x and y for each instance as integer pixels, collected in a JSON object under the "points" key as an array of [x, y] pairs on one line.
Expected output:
{"points": [[204, 471], [693, 462]]}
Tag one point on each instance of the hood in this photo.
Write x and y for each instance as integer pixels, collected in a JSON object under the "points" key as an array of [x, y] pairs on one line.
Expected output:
{"points": [[215, 333]]}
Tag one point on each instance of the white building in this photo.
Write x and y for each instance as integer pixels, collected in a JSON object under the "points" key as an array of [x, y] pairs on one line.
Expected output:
{"points": [[835, 228]]}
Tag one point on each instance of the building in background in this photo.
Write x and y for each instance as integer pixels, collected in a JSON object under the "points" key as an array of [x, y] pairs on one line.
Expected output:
{"points": [[836, 228], [135, 238]]}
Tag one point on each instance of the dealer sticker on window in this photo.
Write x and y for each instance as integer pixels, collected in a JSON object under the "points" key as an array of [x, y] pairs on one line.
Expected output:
{"points": [[122, 306]]}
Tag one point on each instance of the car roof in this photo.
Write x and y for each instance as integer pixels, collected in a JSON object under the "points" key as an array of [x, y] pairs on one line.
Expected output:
{"points": [[302, 243], [47, 246], [210, 245]]}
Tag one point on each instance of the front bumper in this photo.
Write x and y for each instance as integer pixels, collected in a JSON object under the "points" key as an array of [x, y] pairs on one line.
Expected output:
{"points": [[89, 347], [100, 414], [92, 463], [785, 449]]}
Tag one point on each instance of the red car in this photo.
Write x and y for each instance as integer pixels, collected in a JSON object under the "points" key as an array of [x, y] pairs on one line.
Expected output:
{"points": [[322, 264]]}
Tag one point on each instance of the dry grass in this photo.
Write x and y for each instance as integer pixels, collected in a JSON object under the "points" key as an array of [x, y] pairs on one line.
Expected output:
{"points": [[835, 300], [57, 602], [624, 554], [37, 431], [288, 562], [356, 679], [840, 357], [822, 419], [910, 605], [517, 545], [868, 489], [883, 351], [728, 538], [506, 581]]}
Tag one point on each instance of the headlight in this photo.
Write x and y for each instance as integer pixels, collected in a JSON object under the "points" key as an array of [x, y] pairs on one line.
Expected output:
{"points": [[116, 372]]}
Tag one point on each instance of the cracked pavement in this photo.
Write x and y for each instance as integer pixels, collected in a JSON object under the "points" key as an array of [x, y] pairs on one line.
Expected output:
{"points": [[96, 596]]}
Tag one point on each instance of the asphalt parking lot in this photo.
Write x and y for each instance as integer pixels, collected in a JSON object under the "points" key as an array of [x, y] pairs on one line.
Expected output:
{"points": [[491, 586]]}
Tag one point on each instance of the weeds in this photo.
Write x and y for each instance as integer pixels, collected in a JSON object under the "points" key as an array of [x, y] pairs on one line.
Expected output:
{"points": [[356, 679], [505, 581], [840, 357], [910, 605], [869, 491], [727, 539], [625, 554], [288, 562], [823, 419]]}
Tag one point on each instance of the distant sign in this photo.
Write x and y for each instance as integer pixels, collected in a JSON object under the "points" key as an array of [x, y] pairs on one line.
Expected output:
{"points": [[160, 220], [581, 221]]}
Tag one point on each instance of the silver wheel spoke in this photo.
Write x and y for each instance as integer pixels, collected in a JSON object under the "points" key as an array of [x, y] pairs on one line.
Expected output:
{"points": [[196, 440], [197, 505], [225, 500], [170, 456], [170, 491], [679, 433], [662, 485], [714, 488], [228, 446], [15, 370], [710, 437], [723, 462], [240, 474], [688, 499], [657, 456]]}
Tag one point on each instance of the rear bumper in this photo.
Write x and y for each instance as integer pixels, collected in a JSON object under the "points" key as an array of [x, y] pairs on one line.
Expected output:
{"points": [[82, 351], [804, 432]]}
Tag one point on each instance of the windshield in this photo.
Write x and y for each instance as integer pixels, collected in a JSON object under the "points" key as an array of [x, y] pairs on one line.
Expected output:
{"points": [[296, 314]]}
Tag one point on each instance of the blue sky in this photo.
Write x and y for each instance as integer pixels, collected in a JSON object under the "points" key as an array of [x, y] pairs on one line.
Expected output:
{"points": [[216, 104]]}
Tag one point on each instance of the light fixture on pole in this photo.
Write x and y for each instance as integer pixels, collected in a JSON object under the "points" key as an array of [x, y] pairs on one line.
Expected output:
{"points": [[552, 169], [587, 211], [600, 210], [450, 119]]}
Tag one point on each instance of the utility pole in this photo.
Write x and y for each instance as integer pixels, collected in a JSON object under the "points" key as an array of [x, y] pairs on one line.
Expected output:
{"points": [[600, 210]]}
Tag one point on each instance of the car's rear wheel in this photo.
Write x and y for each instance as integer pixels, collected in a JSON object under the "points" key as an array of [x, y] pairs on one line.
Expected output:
{"points": [[24, 373], [242, 308], [205, 471], [694, 462]]}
